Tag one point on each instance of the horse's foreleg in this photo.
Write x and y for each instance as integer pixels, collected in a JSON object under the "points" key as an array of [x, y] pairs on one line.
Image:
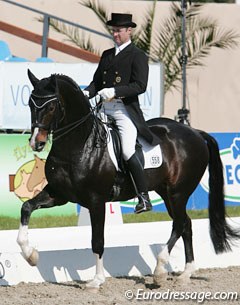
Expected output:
{"points": [[99, 277], [160, 272], [42, 200], [97, 215], [29, 253]]}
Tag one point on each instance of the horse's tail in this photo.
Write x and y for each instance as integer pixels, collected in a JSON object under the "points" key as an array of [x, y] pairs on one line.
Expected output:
{"points": [[221, 233]]}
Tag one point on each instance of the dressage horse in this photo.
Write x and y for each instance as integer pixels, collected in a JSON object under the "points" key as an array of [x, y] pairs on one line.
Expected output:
{"points": [[79, 169]]}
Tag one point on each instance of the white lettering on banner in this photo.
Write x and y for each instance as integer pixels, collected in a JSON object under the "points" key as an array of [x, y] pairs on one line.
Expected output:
{"points": [[231, 169], [16, 89], [232, 174]]}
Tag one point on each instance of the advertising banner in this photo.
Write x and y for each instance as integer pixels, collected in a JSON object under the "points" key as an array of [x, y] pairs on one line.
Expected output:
{"points": [[22, 177], [15, 89], [229, 147]]}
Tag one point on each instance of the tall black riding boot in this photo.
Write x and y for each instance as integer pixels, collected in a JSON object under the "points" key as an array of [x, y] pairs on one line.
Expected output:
{"points": [[137, 173]]}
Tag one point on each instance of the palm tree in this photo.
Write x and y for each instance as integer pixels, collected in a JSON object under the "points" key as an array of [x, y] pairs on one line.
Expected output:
{"points": [[164, 44], [202, 34]]}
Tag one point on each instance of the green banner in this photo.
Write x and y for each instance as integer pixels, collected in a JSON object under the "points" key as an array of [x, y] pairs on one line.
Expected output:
{"points": [[22, 176]]}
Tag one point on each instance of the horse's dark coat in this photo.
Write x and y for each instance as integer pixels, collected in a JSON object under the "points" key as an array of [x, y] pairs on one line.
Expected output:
{"points": [[79, 168]]}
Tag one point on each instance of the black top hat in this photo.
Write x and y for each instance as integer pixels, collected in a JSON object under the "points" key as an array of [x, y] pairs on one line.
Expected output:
{"points": [[124, 20]]}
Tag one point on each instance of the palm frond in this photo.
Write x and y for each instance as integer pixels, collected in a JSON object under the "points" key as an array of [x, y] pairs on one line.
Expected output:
{"points": [[143, 38], [202, 34], [99, 10], [74, 36], [165, 44]]}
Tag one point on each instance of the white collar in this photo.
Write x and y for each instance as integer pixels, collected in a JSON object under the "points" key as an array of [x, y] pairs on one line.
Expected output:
{"points": [[121, 47]]}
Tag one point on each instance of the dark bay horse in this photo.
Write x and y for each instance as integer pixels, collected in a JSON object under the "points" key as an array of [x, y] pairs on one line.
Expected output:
{"points": [[79, 169]]}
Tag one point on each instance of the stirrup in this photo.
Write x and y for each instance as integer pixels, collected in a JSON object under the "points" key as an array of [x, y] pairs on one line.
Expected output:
{"points": [[144, 204]]}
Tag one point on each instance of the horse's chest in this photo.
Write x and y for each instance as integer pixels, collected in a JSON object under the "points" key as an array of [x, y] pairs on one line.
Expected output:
{"points": [[61, 173], [80, 175]]}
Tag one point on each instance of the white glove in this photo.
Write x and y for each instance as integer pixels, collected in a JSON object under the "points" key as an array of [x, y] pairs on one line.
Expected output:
{"points": [[86, 93], [107, 94]]}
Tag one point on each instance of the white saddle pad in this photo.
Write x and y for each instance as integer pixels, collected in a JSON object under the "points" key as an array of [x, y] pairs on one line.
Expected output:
{"points": [[152, 154]]}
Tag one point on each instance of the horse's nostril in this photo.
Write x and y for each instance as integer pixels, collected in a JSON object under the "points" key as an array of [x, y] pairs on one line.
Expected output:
{"points": [[39, 146]]}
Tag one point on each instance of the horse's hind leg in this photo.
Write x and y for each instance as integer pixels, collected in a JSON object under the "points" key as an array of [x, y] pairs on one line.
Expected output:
{"points": [[42, 200], [188, 247], [181, 227], [160, 272]]}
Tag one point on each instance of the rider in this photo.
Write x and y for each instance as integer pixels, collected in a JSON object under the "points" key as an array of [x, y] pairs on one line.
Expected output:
{"points": [[122, 74]]}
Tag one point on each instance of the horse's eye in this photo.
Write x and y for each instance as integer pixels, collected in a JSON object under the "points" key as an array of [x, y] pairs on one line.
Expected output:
{"points": [[51, 108]]}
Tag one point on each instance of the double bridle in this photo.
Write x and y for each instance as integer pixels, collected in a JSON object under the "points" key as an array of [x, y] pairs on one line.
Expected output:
{"points": [[59, 116], [44, 104], [52, 127]]}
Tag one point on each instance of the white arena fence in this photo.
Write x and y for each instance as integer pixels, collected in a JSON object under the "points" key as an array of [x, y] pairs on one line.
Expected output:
{"points": [[130, 250]]}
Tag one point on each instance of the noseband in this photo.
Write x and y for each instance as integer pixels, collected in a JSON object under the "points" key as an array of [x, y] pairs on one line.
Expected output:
{"points": [[50, 98], [53, 126], [43, 105]]}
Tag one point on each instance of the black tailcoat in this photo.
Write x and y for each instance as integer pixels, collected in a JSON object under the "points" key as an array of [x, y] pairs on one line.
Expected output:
{"points": [[127, 72]]}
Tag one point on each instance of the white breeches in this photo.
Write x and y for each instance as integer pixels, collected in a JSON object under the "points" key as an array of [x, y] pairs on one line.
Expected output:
{"points": [[128, 131]]}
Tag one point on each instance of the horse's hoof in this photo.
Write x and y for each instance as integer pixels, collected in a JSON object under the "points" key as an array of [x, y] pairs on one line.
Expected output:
{"points": [[92, 289], [158, 278], [33, 258], [96, 283], [183, 278]]}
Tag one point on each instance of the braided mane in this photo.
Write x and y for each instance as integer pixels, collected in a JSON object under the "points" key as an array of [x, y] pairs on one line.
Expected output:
{"points": [[68, 79]]}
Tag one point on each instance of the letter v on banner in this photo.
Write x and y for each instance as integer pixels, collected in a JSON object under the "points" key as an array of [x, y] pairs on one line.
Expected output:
{"points": [[113, 215]]}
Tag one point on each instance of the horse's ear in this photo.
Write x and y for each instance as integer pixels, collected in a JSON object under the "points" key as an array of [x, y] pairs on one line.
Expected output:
{"points": [[32, 78], [53, 81]]}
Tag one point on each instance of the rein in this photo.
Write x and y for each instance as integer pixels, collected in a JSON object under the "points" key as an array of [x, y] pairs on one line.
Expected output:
{"points": [[68, 128]]}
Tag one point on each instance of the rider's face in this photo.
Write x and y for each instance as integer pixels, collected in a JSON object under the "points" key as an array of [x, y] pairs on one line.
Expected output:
{"points": [[121, 35]]}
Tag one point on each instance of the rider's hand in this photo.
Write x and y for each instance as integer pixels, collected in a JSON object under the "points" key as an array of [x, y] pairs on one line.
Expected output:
{"points": [[86, 93], [107, 94]]}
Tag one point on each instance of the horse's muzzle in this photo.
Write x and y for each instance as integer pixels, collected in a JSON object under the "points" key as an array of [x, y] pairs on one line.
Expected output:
{"points": [[38, 139], [39, 146]]}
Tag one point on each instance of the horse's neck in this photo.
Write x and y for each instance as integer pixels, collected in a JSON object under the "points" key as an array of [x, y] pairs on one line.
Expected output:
{"points": [[75, 109], [73, 100], [77, 116]]}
